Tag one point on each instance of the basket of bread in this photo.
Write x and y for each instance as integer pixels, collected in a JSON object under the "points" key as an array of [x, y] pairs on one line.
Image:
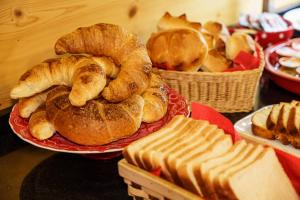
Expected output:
{"points": [[194, 159], [206, 63], [98, 90]]}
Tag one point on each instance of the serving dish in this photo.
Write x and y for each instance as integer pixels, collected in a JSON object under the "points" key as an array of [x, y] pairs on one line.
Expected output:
{"points": [[177, 106], [286, 81], [243, 127], [294, 17]]}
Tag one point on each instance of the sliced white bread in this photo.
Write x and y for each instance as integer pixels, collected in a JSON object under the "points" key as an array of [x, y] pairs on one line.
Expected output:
{"points": [[159, 155], [220, 183], [222, 159], [175, 156], [259, 124], [263, 179], [210, 176], [192, 161], [293, 126], [281, 130], [130, 151], [146, 163], [273, 117]]}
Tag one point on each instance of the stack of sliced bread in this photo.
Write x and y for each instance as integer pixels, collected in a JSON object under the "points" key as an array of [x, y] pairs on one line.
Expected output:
{"points": [[202, 158], [281, 122]]}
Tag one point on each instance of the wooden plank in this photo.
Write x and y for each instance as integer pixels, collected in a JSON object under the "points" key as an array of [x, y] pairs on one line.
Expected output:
{"points": [[29, 28]]}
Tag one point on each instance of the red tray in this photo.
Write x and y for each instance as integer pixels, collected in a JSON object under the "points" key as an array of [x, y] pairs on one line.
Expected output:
{"points": [[177, 106], [284, 80]]}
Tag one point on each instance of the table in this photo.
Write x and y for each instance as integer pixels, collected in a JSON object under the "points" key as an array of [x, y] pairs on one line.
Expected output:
{"points": [[28, 172]]}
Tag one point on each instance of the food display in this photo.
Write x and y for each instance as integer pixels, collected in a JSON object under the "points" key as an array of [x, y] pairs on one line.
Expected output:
{"points": [[288, 59], [100, 90], [281, 122], [188, 46], [201, 158]]}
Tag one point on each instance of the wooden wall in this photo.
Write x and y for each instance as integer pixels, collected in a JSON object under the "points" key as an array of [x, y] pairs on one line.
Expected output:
{"points": [[29, 28]]}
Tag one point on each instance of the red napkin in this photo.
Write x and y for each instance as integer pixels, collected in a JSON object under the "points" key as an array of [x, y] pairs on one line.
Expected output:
{"points": [[245, 61], [290, 163]]}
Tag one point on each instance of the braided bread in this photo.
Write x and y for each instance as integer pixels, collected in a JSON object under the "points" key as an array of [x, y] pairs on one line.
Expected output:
{"points": [[96, 122], [123, 47]]}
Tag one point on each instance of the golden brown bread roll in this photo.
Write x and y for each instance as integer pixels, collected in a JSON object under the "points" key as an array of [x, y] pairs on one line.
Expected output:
{"points": [[215, 62], [167, 21], [156, 100], [239, 42], [87, 78], [95, 123], [29, 104], [39, 125], [123, 47], [177, 49]]}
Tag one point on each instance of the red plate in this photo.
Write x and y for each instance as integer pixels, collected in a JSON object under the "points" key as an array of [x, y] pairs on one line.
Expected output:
{"points": [[284, 80], [177, 106]]}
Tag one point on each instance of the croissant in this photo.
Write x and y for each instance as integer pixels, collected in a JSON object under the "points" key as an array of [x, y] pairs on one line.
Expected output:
{"points": [[123, 47], [156, 100], [83, 73], [95, 123], [39, 125], [29, 104]]}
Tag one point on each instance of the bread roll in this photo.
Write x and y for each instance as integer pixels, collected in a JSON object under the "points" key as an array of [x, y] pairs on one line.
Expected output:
{"points": [[239, 42], [124, 48], [215, 62], [167, 22], [177, 49], [95, 123]]}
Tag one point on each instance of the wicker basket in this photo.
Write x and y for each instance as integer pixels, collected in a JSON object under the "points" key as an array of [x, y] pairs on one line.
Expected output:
{"points": [[227, 92], [144, 185]]}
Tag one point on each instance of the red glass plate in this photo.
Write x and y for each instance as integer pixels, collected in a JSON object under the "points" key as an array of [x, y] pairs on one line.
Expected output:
{"points": [[284, 80], [177, 106]]}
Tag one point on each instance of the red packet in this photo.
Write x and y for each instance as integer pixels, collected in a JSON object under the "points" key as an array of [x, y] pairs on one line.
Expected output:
{"points": [[290, 163]]}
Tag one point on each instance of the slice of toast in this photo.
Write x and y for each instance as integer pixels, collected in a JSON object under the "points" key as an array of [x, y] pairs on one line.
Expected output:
{"points": [[220, 183], [293, 126], [159, 157], [130, 151], [263, 179], [148, 163], [281, 130], [157, 154], [210, 176], [188, 166], [175, 157], [204, 167], [273, 116], [259, 124]]}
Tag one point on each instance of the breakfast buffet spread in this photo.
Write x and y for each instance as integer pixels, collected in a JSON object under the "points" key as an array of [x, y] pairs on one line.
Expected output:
{"points": [[101, 88]]}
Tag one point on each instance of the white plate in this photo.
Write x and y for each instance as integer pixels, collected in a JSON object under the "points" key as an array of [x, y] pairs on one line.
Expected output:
{"points": [[294, 17], [243, 126]]}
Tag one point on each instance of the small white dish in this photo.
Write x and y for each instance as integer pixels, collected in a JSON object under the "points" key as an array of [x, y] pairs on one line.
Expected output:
{"points": [[243, 127]]}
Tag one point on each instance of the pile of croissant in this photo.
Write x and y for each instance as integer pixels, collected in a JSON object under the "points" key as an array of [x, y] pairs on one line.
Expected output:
{"points": [[99, 90], [182, 45]]}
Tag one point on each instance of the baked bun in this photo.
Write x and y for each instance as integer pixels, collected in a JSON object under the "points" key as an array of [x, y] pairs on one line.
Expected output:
{"points": [[95, 123], [177, 49], [168, 21], [215, 62], [239, 42]]}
